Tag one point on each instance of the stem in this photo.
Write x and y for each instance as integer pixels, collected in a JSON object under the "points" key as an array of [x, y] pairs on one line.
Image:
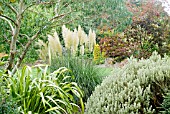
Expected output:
{"points": [[5, 19], [8, 18]]}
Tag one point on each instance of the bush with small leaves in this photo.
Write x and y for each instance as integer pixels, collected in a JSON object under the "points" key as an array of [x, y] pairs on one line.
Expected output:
{"points": [[138, 87]]}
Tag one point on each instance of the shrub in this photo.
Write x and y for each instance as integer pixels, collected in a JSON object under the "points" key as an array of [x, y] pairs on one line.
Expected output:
{"points": [[149, 35], [7, 106], [117, 47], [44, 92], [138, 87], [86, 75], [98, 57], [150, 27]]}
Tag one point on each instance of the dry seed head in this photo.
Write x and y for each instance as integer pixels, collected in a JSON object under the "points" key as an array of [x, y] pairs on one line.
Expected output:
{"points": [[82, 50], [94, 38], [58, 44], [75, 40], [82, 39], [86, 40], [64, 31], [52, 45], [68, 40], [80, 33], [91, 40], [43, 51]]}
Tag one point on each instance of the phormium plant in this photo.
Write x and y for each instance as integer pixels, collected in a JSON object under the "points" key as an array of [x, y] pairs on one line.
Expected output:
{"points": [[44, 92]]}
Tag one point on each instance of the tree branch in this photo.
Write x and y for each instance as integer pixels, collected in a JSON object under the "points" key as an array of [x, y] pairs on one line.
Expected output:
{"points": [[8, 18], [61, 15], [12, 8], [34, 3], [12, 28], [25, 36], [64, 23], [24, 52], [28, 7]]}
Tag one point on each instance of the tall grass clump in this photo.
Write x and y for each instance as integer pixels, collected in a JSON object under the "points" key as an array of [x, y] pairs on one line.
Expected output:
{"points": [[71, 53], [76, 43], [86, 75]]}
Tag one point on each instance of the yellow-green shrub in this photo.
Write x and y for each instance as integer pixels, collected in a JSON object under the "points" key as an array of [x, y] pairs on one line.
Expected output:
{"points": [[98, 57], [138, 87]]}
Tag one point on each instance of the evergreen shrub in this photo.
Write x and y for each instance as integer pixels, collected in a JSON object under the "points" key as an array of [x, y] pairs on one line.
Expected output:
{"points": [[138, 87]]}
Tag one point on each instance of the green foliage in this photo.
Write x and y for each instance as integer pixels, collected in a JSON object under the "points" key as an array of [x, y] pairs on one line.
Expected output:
{"points": [[7, 106], [44, 92], [86, 75], [138, 87], [111, 13], [38, 15], [166, 104]]}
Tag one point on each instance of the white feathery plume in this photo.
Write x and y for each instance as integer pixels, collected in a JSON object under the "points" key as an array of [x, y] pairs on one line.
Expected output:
{"points": [[75, 40], [58, 44], [82, 50], [91, 40], [94, 38]]}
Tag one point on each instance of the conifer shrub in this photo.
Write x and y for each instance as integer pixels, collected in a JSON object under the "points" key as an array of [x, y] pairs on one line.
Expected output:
{"points": [[138, 87]]}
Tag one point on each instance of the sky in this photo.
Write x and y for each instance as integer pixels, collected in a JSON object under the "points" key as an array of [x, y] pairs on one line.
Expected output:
{"points": [[166, 6]]}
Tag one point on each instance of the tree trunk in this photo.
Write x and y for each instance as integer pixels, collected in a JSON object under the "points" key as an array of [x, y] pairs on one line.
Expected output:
{"points": [[15, 34]]}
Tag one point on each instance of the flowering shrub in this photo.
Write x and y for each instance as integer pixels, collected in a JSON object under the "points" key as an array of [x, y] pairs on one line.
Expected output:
{"points": [[138, 87]]}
